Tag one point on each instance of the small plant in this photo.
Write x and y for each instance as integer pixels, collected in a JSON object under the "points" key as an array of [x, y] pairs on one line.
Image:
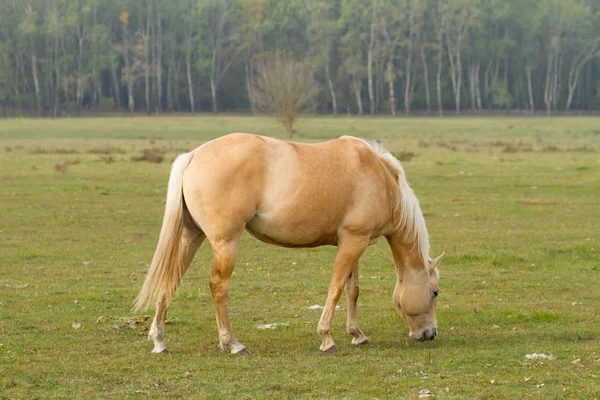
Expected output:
{"points": [[405, 155], [106, 150], [61, 167], [510, 148], [150, 155], [550, 149]]}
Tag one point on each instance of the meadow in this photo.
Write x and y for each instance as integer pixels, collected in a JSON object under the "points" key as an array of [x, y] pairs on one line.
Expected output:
{"points": [[514, 203]]}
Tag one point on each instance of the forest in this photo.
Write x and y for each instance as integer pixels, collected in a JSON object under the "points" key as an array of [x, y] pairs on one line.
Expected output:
{"points": [[380, 57]]}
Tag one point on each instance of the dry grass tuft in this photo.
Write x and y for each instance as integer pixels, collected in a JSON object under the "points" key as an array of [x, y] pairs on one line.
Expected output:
{"points": [[64, 166], [59, 150], [513, 147], [550, 149], [8, 149], [106, 150], [150, 155], [541, 202], [404, 155], [446, 146], [583, 149]]}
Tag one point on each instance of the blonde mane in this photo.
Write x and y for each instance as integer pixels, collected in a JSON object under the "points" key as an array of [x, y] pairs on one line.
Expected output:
{"points": [[411, 222]]}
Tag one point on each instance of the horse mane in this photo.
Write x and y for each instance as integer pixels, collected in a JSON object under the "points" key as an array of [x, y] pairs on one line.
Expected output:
{"points": [[411, 222]]}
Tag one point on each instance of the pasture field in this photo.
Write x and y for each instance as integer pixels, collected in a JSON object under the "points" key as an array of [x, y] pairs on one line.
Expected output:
{"points": [[514, 202]]}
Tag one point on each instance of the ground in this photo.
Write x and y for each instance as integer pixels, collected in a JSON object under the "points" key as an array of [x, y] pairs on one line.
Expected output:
{"points": [[512, 201]]}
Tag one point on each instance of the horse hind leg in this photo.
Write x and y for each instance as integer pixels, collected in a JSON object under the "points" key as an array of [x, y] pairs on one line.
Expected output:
{"points": [[358, 337], [191, 239], [225, 254]]}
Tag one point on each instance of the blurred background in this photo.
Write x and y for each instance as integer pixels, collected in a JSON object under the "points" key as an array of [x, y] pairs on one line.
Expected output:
{"points": [[67, 57]]}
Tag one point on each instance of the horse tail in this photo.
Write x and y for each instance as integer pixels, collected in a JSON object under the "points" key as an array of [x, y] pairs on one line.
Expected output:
{"points": [[166, 269]]}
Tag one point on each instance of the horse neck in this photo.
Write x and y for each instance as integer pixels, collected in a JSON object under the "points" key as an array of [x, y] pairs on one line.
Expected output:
{"points": [[407, 256]]}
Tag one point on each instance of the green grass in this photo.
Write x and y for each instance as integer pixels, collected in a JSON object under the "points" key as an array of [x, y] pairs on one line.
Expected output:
{"points": [[512, 201]]}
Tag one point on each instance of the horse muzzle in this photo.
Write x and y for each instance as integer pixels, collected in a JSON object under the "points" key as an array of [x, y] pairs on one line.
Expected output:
{"points": [[427, 334]]}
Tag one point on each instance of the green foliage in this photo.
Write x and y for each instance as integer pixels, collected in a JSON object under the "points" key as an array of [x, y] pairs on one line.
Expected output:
{"points": [[126, 49], [501, 95]]}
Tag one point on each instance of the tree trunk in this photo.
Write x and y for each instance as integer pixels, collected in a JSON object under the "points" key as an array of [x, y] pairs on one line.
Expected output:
{"points": [[440, 31], [370, 60], [459, 85], [116, 86], [408, 86], [477, 86], [249, 86], [392, 97], [213, 93], [472, 87], [557, 80], [548, 90], [57, 77], [128, 72], [175, 87], [356, 86], [426, 79], [16, 86], [158, 33], [190, 85], [370, 78], [530, 90], [582, 58], [147, 61], [79, 89], [439, 88], [169, 95], [36, 82], [331, 89]]}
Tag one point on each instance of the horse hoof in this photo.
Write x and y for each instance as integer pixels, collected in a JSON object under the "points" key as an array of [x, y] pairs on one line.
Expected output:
{"points": [[332, 349], [159, 350], [363, 340], [242, 351]]}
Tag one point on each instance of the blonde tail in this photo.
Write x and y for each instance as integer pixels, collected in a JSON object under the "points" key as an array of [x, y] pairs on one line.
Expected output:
{"points": [[166, 269]]}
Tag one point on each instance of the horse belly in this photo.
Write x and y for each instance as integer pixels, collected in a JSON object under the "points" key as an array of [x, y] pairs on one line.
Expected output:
{"points": [[291, 233]]}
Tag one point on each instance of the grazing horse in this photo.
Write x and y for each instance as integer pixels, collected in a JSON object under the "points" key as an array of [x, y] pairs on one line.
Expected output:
{"points": [[345, 192]]}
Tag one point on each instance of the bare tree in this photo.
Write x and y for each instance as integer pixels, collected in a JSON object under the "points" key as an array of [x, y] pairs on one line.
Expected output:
{"points": [[283, 86]]}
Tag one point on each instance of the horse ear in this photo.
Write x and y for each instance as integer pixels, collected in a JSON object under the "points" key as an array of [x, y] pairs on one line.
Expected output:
{"points": [[436, 261]]}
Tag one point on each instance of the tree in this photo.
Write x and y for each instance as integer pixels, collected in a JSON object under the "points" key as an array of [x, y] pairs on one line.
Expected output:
{"points": [[283, 86], [462, 15], [323, 33], [223, 41]]}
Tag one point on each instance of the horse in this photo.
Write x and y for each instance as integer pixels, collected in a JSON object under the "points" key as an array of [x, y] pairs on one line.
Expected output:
{"points": [[345, 192]]}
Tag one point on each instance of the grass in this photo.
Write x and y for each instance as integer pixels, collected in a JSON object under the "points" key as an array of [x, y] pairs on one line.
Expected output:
{"points": [[80, 221]]}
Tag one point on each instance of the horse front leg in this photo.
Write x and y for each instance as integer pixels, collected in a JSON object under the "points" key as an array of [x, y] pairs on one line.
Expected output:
{"points": [[358, 337], [350, 248]]}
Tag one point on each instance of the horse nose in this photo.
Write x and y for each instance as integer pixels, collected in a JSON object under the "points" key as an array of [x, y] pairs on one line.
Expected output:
{"points": [[430, 335]]}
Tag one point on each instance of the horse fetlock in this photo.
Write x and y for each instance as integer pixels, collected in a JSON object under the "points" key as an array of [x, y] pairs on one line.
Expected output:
{"points": [[157, 331]]}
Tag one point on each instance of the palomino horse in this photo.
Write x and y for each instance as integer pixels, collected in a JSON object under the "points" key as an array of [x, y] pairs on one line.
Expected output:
{"points": [[346, 192]]}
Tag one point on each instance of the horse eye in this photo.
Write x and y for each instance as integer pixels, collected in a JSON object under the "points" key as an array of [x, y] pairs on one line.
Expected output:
{"points": [[435, 293]]}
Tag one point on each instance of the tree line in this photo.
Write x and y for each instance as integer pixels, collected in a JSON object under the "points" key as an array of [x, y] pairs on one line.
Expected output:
{"points": [[61, 57]]}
